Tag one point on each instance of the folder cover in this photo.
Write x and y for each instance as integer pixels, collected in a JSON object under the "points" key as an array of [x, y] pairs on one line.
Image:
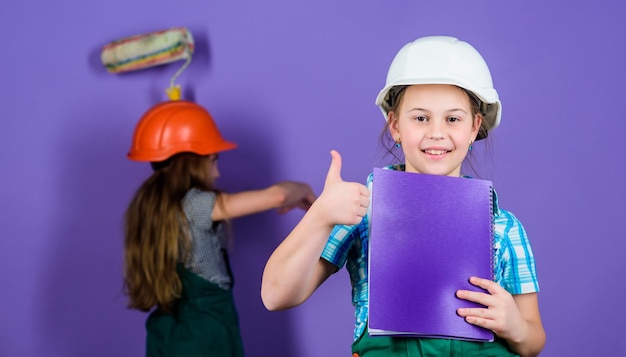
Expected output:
{"points": [[429, 234]]}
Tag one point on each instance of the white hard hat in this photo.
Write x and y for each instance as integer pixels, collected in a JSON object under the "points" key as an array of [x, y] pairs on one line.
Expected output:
{"points": [[444, 60]]}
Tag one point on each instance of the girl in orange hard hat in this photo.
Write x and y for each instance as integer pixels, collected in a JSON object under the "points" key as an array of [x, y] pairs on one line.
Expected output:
{"points": [[176, 260]]}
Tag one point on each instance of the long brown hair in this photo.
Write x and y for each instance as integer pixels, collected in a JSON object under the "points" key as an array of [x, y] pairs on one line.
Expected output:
{"points": [[155, 229]]}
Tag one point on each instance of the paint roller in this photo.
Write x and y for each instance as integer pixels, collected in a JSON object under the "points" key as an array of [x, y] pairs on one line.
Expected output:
{"points": [[148, 50]]}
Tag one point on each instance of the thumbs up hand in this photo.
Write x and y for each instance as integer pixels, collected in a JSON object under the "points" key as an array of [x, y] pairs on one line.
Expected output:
{"points": [[342, 202]]}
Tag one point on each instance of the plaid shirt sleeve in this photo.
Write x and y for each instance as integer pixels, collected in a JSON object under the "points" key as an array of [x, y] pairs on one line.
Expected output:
{"points": [[515, 264], [339, 243]]}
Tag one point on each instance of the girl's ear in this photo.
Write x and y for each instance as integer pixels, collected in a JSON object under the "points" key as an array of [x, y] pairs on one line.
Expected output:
{"points": [[393, 125], [478, 120]]}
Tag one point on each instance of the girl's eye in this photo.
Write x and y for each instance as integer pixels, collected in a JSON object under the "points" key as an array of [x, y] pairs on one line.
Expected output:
{"points": [[453, 119], [421, 118]]}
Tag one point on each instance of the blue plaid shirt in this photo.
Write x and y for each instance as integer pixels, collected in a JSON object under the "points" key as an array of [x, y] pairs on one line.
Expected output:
{"points": [[514, 263]]}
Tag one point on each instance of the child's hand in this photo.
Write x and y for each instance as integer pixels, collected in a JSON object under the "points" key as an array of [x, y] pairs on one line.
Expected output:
{"points": [[295, 195], [342, 202], [501, 314]]}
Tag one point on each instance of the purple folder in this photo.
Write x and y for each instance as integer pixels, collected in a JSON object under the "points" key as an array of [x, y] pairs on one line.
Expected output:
{"points": [[429, 234]]}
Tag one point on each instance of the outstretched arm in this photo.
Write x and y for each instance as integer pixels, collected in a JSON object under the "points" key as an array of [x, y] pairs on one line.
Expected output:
{"points": [[295, 270], [283, 196], [514, 318]]}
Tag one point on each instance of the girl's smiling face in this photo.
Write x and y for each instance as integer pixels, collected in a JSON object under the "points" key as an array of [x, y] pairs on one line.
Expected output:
{"points": [[435, 125]]}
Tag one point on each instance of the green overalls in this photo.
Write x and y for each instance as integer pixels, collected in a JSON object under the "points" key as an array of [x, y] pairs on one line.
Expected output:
{"points": [[384, 346], [204, 323]]}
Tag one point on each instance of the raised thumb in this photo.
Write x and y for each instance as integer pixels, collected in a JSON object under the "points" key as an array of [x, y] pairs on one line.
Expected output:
{"points": [[334, 171]]}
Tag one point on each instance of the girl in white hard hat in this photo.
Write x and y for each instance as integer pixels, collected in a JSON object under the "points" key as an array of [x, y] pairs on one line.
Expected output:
{"points": [[438, 99]]}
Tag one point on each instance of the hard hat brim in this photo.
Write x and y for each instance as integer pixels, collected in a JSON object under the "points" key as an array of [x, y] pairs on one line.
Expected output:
{"points": [[162, 155]]}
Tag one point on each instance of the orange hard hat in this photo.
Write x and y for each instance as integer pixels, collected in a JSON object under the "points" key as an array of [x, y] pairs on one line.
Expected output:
{"points": [[174, 127]]}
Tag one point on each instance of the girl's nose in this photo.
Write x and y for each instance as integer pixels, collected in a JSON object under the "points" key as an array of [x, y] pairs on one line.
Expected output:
{"points": [[435, 130]]}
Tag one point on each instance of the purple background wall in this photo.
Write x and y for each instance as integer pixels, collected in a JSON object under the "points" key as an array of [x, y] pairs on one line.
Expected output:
{"points": [[289, 82]]}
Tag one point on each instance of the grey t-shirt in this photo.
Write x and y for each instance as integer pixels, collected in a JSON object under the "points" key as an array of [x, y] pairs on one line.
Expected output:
{"points": [[208, 240]]}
